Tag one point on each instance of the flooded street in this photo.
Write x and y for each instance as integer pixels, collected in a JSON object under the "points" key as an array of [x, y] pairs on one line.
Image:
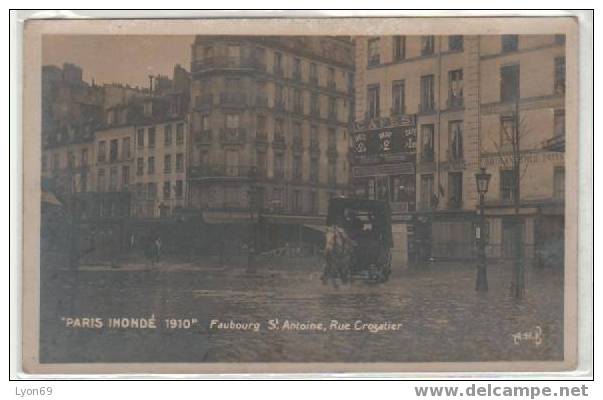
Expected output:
{"points": [[431, 314]]}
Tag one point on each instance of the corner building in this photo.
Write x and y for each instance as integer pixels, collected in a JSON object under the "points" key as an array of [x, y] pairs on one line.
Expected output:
{"points": [[429, 113], [269, 119]]}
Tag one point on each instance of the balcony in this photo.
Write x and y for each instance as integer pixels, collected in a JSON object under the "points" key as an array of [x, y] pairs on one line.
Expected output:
{"points": [[426, 107], [556, 143], [313, 80], [203, 137], [233, 135], [228, 63], [455, 103], [222, 171], [297, 76], [233, 99], [204, 101], [374, 60]]}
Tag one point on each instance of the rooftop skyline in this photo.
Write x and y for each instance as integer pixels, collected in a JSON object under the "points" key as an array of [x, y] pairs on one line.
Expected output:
{"points": [[124, 59]]}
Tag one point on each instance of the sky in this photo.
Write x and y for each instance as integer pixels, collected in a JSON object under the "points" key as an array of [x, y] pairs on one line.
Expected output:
{"points": [[126, 59]]}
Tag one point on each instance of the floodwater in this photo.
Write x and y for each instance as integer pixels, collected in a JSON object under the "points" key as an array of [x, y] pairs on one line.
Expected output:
{"points": [[435, 313]]}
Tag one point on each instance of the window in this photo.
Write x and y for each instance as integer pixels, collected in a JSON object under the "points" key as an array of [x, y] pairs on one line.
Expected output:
{"points": [[180, 133], [297, 167], [559, 182], [167, 190], [125, 149], [373, 101], [102, 151], [332, 138], [507, 185], [205, 123], [84, 156], [112, 178], [332, 108], [399, 48], [314, 107], [279, 165], [167, 164], [279, 129], [70, 159], [314, 136], [179, 189], [152, 137], [125, 175], [232, 162], [297, 200], [260, 163], [313, 74], [427, 45], [100, 180], [509, 43], [113, 150], [559, 123], [179, 162], [279, 96], [559, 75], [232, 121], [427, 140], [332, 170], [260, 126], [314, 169], [167, 135], [297, 131], [455, 88], [509, 83], [297, 69], [456, 140], [140, 137], [151, 165], [398, 106], [151, 190], [455, 189], [427, 191], [139, 166], [331, 78], [373, 52], [313, 202], [455, 43], [298, 101], [507, 129], [278, 63], [427, 99]]}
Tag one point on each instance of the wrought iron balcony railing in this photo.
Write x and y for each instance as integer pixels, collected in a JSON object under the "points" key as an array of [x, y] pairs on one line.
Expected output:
{"points": [[228, 63], [233, 135], [223, 171], [454, 102]]}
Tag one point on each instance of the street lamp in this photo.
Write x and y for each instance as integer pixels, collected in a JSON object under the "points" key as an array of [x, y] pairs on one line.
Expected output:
{"points": [[482, 180]]}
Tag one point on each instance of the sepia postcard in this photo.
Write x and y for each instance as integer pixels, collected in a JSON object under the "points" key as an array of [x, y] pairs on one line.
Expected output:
{"points": [[304, 195]]}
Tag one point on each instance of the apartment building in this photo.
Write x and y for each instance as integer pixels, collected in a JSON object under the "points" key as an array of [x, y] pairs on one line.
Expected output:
{"points": [[269, 118], [429, 113]]}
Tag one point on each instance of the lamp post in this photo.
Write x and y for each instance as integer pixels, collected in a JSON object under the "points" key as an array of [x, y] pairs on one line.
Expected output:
{"points": [[482, 179]]}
